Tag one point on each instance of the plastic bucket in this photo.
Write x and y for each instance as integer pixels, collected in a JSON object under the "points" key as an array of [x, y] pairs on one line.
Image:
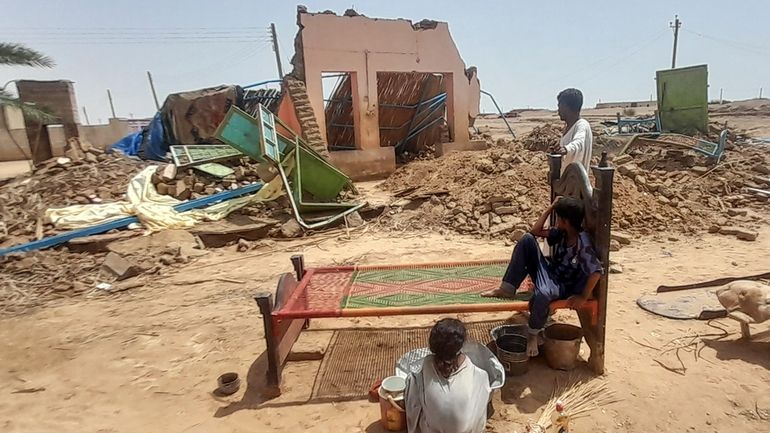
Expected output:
{"points": [[393, 417], [511, 343], [562, 345]]}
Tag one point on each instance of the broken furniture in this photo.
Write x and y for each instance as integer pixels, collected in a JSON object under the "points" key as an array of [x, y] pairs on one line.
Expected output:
{"points": [[194, 154], [438, 288], [260, 139], [683, 99]]}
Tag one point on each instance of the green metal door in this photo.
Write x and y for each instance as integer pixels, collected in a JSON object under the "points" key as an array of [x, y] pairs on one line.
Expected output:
{"points": [[683, 99]]}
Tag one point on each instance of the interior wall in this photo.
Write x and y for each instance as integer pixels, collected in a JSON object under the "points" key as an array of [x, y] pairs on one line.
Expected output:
{"points": [[366, 46]]}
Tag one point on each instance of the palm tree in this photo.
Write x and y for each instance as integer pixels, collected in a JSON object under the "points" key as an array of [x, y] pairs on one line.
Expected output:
{"points": [[12, 54]]}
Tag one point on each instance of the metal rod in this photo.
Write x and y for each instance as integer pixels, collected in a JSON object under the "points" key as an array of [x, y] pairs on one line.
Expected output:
{"points": [[112, 106], [152, 87], [500, 111]]}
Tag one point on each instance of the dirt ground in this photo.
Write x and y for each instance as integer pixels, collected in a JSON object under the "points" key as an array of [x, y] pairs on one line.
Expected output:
{"points": [[147, 359]]}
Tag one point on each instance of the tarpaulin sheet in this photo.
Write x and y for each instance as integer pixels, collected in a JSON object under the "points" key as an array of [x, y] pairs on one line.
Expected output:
{"points": [[154, 211]]}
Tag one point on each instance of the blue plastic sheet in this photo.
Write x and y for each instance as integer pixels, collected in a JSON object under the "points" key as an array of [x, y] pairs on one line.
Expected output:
{"points": [[147, 144]]}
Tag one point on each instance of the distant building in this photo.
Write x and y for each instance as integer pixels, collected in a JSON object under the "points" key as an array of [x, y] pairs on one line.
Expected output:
{"points": [[627, 104]]}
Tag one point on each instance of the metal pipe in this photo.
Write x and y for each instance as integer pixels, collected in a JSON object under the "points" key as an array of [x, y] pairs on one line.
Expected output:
{"points": [[261, 83], [499, 111]]}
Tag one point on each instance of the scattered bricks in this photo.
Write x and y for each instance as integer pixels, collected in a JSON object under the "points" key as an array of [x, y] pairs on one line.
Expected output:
{"points": [[484, 208], [227, 181], [484, 222], [120, 267], [621, 237], [90, 157], [168, 173], [199, 187], [162, 188], [746, 235], [209, 190], [616, 268], [640, 180], [622, 159], [155, 178], [714, 229], [664, 200], [699, 170], [502, 228], [171, 189], [240, 173], [495, 219], [497, 199], [485, 165], [182, 190], [506, 210], [729, 230], [86, 146], [761, 168], [615, 245], [629, 170], [291, 229], [354, 220], [737, 212]]}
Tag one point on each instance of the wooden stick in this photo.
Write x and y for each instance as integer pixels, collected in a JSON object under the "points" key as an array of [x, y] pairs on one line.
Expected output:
{"points": [[712, 283]]}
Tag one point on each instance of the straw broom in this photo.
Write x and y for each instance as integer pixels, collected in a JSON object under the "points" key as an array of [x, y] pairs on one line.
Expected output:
{"points": [[579, 399]]}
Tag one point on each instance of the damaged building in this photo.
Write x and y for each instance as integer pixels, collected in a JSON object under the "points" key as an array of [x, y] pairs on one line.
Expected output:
{"points": [[398, 87]]}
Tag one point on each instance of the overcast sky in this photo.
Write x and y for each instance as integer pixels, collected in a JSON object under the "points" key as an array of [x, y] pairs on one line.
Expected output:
{"points": [[525, 51]]}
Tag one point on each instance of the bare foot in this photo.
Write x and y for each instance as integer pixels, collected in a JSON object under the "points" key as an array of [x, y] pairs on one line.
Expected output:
{"points": [[497, 293], [532, 340]]}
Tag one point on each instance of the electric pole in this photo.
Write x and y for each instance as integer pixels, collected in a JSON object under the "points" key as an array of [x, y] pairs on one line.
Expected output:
{"points": [[274, 37], [112, 107], [675, 25], [760, 93], [154, 95], [85, 114], [720, 95]]}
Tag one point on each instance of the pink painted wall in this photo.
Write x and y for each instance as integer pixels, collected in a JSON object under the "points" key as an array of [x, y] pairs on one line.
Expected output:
{"points": [[364, 46]]}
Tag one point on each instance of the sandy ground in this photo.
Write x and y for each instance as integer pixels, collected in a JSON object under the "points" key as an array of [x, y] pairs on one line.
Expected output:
{"points": [[147, 359]]}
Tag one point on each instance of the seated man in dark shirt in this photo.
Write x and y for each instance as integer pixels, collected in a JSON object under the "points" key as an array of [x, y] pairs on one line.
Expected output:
{"points": [[571, 273]]}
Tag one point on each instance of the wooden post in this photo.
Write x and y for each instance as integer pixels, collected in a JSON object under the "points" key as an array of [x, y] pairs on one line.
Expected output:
{"points": [[298, 261], [603, 199], [554, 174], [265, 302]]}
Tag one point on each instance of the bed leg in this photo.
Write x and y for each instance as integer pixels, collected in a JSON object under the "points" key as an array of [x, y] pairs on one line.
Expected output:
{"points": [[265, 302], [298, 261], [590, 332]]}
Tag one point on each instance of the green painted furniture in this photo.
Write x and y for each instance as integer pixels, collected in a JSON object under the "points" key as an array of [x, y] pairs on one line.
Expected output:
{"points": [[683, 99]]}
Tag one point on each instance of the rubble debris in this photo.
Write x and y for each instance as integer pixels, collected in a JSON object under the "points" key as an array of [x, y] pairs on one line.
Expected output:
{"points": [[543, 137], [24, 200], [291, 229], [120, 267]]}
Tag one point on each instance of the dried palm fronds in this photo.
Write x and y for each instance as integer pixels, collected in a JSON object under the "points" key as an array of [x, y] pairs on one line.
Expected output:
{"points": [[579, 398]]}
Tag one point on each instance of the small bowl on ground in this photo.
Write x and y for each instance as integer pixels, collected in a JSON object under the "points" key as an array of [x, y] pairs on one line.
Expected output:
{"points": [[228, 383]]}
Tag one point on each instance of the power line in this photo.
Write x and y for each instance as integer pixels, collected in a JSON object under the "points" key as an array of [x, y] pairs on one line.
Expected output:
{"points": [[623, 59], [754, 49]]}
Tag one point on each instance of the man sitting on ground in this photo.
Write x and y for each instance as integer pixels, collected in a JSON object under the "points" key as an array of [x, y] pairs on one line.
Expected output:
{"points": [[450, 393], [571, 273], [577, 140]]}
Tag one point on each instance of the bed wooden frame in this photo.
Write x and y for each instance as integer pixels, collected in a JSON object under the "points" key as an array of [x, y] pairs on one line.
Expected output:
{"points": [[281, 331]]}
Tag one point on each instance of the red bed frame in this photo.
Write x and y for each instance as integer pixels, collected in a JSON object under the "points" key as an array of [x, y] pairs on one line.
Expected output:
{"points": [[311, 293]]}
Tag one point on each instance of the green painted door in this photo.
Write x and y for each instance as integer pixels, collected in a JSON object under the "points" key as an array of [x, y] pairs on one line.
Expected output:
{"points": [[683, 99]]}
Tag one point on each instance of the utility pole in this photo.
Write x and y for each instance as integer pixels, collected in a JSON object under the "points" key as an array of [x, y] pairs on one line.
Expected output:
{"points": [[760, 93], [676, 24], [720, 95], [85, 114], [275, 48], [154, 95], [112, 107]]}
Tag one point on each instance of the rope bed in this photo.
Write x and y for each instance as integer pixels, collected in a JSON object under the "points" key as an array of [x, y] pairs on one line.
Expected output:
{"points": [[399, 289], [432, 288]]}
